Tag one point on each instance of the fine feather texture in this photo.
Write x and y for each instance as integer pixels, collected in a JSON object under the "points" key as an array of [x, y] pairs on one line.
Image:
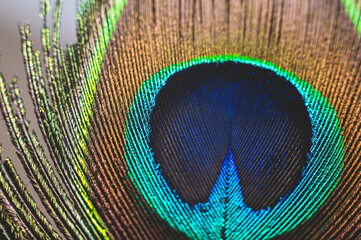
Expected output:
{"points": [[197, 119]]}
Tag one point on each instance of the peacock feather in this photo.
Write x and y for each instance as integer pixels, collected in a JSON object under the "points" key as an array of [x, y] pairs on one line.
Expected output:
{"points": [[189, 119]]}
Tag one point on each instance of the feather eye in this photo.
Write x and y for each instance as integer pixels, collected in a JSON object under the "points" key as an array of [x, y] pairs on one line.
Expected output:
{"points": [[256, 103], [189, 120]]}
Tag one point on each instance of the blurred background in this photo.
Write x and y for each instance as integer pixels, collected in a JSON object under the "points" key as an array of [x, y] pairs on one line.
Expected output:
{"points": [[14, 13]]}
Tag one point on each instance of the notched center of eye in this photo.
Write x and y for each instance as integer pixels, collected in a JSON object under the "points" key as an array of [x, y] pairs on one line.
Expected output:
{"points": [[208, 110]]}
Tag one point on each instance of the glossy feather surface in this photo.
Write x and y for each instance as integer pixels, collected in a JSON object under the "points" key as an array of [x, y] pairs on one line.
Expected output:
{"points": [[187, 119]]}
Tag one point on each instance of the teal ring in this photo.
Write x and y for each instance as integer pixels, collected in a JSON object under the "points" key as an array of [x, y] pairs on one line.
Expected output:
{"points": [[205, 220]]}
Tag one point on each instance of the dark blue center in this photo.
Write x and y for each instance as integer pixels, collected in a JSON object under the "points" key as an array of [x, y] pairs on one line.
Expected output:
{"points": [[208, 110]]}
